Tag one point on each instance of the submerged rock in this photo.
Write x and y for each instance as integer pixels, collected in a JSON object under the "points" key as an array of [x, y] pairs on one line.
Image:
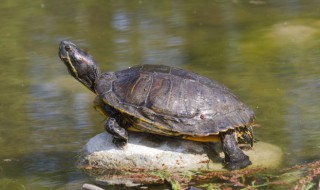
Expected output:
{"points": [[150, 159]]}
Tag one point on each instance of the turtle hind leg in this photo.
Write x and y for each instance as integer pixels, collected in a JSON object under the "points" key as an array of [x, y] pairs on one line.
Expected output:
{"points": [[234, 157], [120, 135]]}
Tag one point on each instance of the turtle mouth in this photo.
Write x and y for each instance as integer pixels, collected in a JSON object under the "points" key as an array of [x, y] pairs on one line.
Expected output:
{"points": [[62, 56], [62, 51]]}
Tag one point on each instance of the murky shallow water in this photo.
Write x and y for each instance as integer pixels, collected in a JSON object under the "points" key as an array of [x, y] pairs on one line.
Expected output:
{"points": [[267, 52]]}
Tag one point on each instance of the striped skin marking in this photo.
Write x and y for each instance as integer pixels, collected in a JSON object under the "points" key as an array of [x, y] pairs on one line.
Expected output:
{"points": [[244, 133], [73, 69]]}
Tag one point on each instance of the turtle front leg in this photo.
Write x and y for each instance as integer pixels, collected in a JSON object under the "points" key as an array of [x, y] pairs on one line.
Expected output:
{"points": [[120, 135], [234, 157]]}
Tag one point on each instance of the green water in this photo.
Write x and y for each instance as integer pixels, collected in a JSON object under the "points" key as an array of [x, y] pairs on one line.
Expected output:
{"points": [[267, 52]]}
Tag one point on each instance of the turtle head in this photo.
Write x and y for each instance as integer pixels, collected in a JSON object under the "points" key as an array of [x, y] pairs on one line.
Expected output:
{"points": [[80, 64]]}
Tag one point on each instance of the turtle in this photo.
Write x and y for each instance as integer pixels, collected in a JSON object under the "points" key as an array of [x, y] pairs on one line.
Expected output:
{"points": [[166, 101]]}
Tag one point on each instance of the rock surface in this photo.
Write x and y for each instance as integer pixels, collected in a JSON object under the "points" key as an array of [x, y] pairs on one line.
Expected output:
{"points": [[147, 158]]}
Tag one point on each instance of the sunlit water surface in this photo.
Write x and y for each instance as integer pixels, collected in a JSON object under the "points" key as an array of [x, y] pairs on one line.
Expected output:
{"points": [[267, 52]]}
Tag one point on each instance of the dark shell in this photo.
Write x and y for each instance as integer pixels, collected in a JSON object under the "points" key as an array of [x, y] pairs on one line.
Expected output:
{"points": [[170, 101]]}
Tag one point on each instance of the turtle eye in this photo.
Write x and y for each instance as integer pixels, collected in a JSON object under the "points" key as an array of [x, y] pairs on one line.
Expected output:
{"points": [[67, 47]]}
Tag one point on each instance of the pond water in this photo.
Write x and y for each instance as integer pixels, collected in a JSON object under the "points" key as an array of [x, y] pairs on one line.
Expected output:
{"points": [[267, 52]]}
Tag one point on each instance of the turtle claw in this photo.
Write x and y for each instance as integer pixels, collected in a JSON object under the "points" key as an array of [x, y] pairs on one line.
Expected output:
{"points": [[239, 164], [120, 143]]}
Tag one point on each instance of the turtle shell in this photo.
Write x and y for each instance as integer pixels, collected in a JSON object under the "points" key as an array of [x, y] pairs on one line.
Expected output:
{"points": [[170, 101]]}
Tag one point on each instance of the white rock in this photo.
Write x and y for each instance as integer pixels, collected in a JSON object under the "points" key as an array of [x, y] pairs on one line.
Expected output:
{"points": [[149, 153], [146, 152]]}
